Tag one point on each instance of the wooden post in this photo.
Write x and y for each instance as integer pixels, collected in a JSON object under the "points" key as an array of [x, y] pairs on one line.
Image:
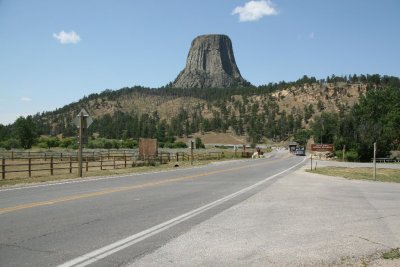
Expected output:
{"points": [[108, 157], [101, 162], [191, 151], [87, 164], [45, 156], [344, 151], [61, 156], [311, 162], [70, 164], [114, 161], [125, 159], [3, 168], [30, 167], [12, 155], [51, 166], [177, 156], [81, 126], [375, 161]]}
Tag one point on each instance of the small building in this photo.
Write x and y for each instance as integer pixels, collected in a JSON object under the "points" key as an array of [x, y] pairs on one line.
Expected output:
{"points": [[292, 147]]}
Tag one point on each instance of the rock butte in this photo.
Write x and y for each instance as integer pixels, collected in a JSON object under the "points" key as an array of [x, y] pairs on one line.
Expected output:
{"points": [[210, 64]]}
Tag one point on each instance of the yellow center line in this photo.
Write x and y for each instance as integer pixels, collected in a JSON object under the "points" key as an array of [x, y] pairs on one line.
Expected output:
{"points": [[117, 190]]}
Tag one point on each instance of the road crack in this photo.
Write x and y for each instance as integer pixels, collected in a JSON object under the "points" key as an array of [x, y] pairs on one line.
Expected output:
{"points": [[28, 249], [370, 241]]}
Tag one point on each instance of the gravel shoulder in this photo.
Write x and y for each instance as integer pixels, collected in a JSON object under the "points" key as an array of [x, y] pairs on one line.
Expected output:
{"points": [[302, 219]]}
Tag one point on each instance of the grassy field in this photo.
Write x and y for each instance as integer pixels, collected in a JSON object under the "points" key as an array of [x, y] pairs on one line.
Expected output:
{"points": [[382, 175]]}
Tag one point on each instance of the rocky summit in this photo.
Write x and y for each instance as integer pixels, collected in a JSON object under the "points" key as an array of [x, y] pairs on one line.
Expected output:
{"points": [[210, 64]]}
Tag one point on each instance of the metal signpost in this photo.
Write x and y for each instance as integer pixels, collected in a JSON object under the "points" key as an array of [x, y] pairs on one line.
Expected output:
{"points": [[82, 122]]}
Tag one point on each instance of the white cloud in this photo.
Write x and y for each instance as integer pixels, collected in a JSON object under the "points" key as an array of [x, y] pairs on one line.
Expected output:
{"points": [[255, 10], [67, 37], [311, 35], [25, 99]]}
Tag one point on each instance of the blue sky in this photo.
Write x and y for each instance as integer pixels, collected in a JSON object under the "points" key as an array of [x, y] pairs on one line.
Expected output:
{"points": [[54, 52]]}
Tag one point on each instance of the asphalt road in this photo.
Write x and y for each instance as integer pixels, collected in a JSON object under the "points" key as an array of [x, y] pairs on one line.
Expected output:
{"points": [[302, 219], [114, 221]]}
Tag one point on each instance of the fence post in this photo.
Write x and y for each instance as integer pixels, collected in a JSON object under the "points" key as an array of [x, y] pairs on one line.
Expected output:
{"points": [[45, 156], [108, 157], [101, 162], [114, 161], [12, 155], [51, 165], [61, 156], [70, 164], [87, 164], [3, 168], [125, 159], [177, 156], [30, 167]]}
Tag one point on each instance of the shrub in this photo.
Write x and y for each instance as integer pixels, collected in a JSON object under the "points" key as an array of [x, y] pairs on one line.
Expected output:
{"points": [[179, 144], [67, 142], [199, 143], [351, 155], [10, 144], [130, 143]]}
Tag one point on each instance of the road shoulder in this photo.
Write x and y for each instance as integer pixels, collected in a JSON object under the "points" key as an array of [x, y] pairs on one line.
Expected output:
{"points": [[302, 219]]}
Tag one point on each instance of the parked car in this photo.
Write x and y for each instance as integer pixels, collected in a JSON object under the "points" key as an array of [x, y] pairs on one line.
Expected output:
{"points": [[300, 152]]}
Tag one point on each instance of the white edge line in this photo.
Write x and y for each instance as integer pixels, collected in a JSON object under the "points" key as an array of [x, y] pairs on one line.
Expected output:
{"points": [[105, 251]]}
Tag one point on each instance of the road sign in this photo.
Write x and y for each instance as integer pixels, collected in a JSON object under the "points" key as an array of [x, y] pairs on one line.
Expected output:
{"points": [[85, 114], [322, 147]]}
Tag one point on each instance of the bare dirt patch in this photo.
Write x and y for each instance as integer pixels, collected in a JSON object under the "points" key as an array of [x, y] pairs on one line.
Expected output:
{"points": [[217, 138]]}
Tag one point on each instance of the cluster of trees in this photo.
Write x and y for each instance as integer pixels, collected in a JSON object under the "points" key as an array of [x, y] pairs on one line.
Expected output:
{"points": [[375, 118], [244, 118], [22, 133]]}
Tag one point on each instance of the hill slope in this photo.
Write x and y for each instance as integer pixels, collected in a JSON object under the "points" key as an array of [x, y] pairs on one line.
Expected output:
{"points": [[272, 111]]}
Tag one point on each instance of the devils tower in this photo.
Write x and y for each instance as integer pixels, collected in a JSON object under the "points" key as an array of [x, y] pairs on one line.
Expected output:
{"points": [[210, 64]]}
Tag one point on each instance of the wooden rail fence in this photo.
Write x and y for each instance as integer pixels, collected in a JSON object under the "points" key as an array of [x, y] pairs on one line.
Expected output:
{"points": [[48, 165]]}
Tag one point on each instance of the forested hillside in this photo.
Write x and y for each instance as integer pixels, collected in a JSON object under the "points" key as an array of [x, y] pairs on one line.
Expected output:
{"points": [[336, 110]]}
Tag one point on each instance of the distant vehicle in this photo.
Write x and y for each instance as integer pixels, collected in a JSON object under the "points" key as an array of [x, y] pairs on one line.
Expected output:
{"points": [[300, 152]]}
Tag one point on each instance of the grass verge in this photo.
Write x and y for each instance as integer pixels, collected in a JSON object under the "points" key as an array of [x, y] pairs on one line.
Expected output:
{"points": [[392, 254], [382, 175], [40, 178]]}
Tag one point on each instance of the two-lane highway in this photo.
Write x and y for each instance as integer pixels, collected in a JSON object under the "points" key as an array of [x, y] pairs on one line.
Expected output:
{"points": [[110, 221]]}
